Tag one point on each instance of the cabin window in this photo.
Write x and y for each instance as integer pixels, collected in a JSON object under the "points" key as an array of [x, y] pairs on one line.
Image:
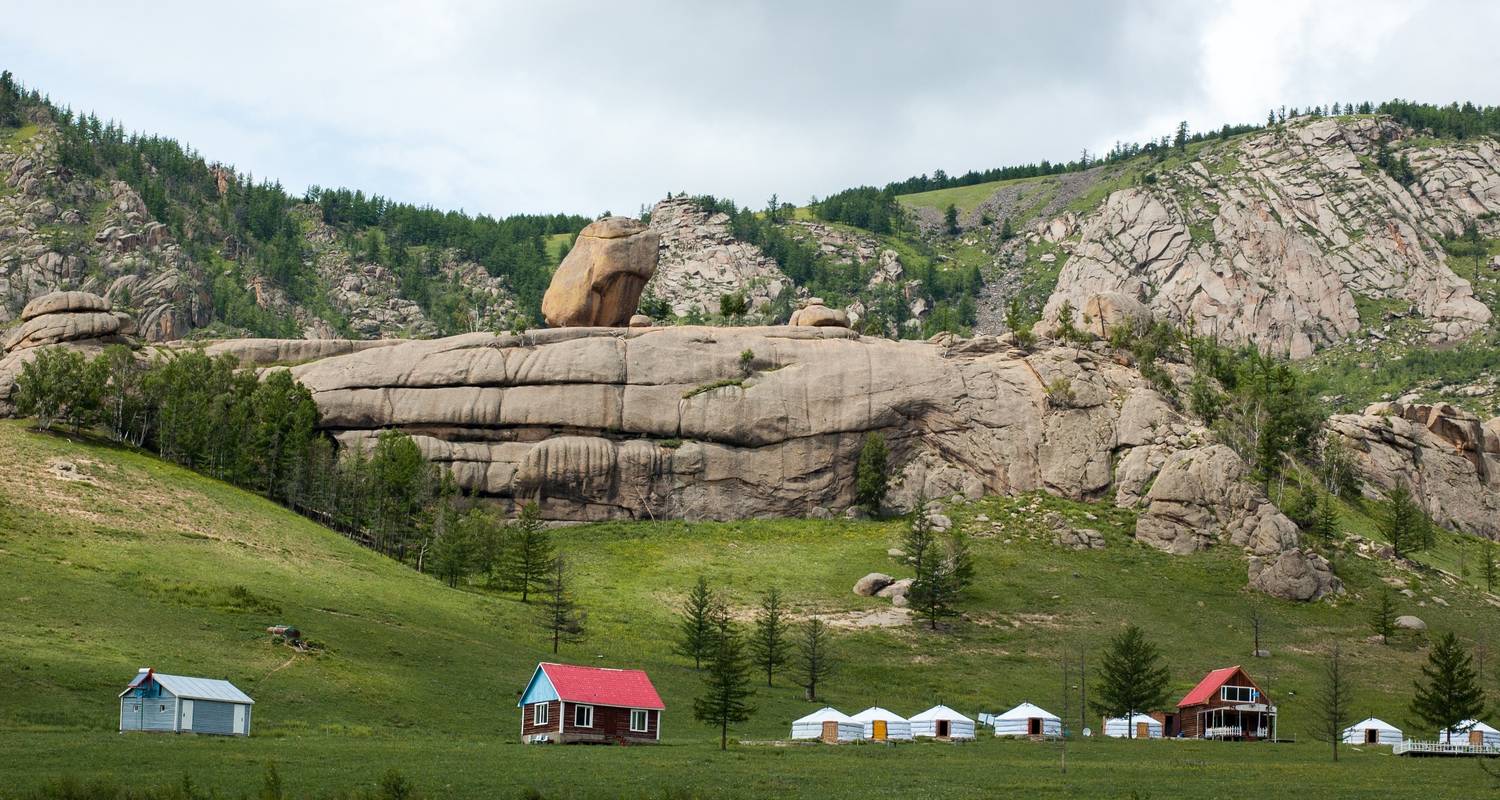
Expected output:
{"points": [[640, 720], [1236, 694], [583, 716], [539, 714], [162, 708]]}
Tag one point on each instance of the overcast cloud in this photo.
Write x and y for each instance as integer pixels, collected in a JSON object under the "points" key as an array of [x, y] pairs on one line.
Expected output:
{"points": [[556, 106]]}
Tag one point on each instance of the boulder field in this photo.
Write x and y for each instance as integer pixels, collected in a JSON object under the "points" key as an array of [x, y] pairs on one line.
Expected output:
{"points": [[725, 423]]}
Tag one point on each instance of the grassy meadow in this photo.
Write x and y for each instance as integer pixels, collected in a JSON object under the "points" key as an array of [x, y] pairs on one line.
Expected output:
{"points": [[146, 564]]}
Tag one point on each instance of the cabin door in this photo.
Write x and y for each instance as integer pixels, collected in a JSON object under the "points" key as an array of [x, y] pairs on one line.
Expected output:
{"points": [[831, 731], [1372, 736], [1143, 730], [1476, 738], [942, 729], [239, 719], [187, 715], [1034, 726], [877, 730]]}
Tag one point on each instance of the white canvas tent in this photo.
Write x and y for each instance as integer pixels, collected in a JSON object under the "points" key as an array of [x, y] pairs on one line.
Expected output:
{"points": [[1372, 731], [1134, 725], [828, 724], [1027, 719], [942, 722], [1471, 732], [882, 724]]}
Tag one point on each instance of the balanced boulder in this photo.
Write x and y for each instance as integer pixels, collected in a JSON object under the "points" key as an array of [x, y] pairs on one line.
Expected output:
{"points": [[600, 281], [817, 315], [63, 317]]}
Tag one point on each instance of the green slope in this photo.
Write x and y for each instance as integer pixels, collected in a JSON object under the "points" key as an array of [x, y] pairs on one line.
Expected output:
{"points": [[152, 565]]}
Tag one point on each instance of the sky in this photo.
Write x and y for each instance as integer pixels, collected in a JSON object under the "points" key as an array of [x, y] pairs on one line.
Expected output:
{"points": [[502, 108]]}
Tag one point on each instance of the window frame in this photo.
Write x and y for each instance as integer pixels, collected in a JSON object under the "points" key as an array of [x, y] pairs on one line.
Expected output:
{"points": [[582, 709], [1242, 694], [541, 714], [645, 720]]}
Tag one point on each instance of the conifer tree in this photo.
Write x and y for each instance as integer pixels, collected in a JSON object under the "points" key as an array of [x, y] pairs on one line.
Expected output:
{"points": [[1487, 554], [559, 614], [1333, 700], [950, 219], [530, 554], [870, 473], [768, 643], [726, 693], [1405, 523], [1449, 692], [816, 660], [1325, 526], [1383, 616], [1133, 678], [695, 630]]}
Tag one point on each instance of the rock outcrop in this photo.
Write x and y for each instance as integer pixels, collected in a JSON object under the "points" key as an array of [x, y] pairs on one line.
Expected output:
{"points": [[1447, 457], [815, 314], [701, 261], [63, 317], [673, 422], [599, 283], [1273, 239], [1294, 574]]}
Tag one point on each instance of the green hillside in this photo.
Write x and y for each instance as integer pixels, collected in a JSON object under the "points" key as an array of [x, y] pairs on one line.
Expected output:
{"points": [[146, 564]]}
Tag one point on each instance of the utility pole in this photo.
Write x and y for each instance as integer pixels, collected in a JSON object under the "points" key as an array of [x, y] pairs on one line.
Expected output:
{"points": [[1083, 693]]}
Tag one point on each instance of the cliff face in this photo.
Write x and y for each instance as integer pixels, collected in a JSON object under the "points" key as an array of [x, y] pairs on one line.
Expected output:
{"points": [[1275, 238]]}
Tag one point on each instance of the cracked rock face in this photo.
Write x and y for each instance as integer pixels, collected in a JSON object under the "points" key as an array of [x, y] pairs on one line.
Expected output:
{"points": [[1447, 457], [701, 261], [671, 422], [1272, 240]]}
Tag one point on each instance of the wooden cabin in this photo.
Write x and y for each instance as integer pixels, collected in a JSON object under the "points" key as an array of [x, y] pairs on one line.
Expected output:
{"points": [[567, 704], [1227, 704], [178, 704]]}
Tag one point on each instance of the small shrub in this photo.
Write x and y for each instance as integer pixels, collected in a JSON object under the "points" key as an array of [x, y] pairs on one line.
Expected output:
{"points": [[1060, 393], [747, 361]]}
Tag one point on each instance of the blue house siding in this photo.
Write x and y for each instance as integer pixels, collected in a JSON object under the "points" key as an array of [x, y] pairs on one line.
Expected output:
{"points": [[539, 690], [148, 705]]}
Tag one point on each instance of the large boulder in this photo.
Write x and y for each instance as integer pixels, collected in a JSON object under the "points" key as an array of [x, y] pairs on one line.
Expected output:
{"points": [[62, 317], [872, 584], [599, 283], [64, 303], [1300, 575], [1201, 497]]}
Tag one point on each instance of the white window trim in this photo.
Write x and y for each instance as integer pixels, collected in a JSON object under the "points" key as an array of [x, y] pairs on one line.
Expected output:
{"points": [[539, 713], [590, 710], [645, 723], [1247, 691]]}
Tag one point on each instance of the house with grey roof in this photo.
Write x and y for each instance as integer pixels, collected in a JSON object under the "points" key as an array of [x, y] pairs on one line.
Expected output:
{"points": [[177, 704]]}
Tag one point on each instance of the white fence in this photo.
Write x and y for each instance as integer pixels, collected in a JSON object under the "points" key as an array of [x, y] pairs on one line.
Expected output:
{"points": [[1410, 747]]}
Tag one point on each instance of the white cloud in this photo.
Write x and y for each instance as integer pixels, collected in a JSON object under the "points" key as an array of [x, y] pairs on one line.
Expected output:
{"points": [[536, 107]]}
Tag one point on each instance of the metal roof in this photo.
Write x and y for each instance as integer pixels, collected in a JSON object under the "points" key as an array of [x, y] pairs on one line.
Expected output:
{"points": [[194, 688], [1211, 682], [624, 688]]}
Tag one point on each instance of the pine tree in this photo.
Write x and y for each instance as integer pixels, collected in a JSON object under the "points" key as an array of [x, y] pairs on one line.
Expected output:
{"points": [[1450, 693], [695, 630], [559, 614], [1181, 139], [530, 554], [727, 682], [1334, 697], [1325, 526], [950, 219], [1405, 524], [815, 658], [1383, 616], [870, 474], [768, 644], [1133, 678]]}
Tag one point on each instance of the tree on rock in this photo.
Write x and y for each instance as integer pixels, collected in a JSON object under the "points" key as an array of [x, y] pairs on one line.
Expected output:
{"points": [[870, 474], [695, 624], [1334, 698], [768, 644], [726, 692], [530, 554], [1449, 691], [1133, 678], [815, 657]]}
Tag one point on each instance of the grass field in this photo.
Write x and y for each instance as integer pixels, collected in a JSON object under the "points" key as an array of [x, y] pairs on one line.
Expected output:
{"points": [[153, 565], [965, 198]]}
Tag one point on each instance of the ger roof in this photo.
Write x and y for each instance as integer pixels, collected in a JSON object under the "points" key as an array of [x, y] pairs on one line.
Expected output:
{"points": [[1211, 683], [939, 712], [627, 688], [192, 688], [1471, 725], [1028, 711], [825, 714], [875, 713], [1372, 722]]}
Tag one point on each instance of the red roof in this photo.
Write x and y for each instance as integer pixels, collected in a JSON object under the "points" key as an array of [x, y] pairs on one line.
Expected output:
{"points": [[625, 688], [1210, 684]]}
